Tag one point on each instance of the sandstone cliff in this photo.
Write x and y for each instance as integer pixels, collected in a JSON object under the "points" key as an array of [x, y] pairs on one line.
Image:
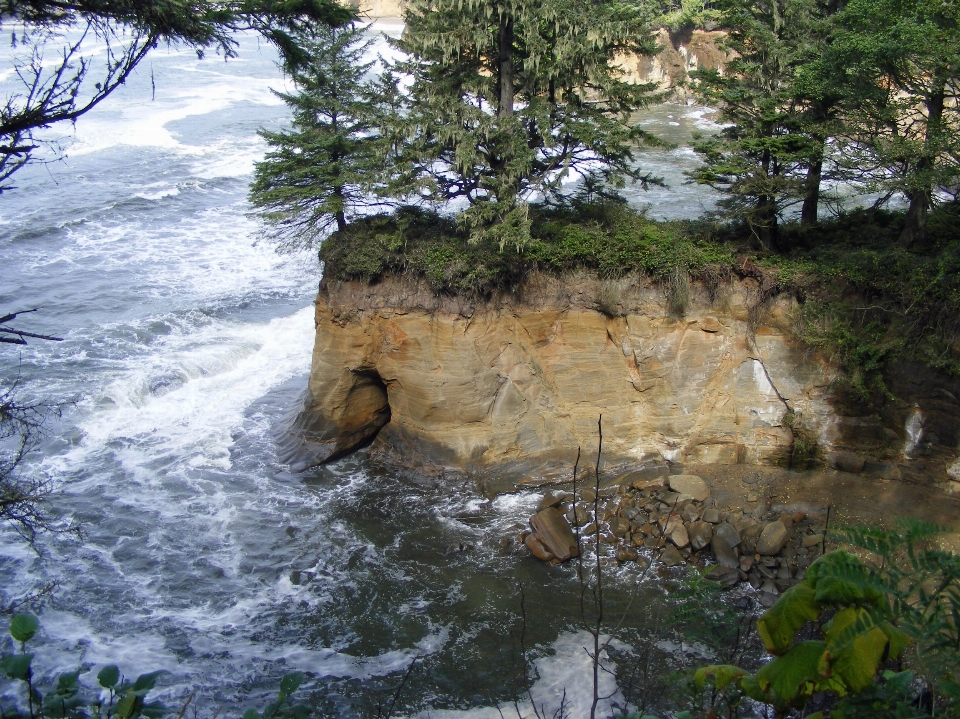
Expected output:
{"points": [[516, 385]]}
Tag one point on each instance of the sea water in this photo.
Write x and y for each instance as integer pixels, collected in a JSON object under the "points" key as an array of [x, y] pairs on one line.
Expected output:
{"points": [[186, 346]]}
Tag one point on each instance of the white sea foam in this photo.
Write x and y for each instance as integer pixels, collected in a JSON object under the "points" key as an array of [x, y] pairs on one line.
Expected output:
{"points": [[565, 677]]}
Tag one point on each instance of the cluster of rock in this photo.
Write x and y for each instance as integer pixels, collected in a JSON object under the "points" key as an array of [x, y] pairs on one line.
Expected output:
{"points": [[675, 520]]}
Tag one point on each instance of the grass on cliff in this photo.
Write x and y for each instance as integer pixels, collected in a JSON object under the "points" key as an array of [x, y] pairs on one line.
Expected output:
{"points": [[609, 238], [861, 297]]}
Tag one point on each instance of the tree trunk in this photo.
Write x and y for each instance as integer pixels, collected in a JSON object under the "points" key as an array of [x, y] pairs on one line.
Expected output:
{"points": [[767, 211], [811, 200], [915, 227], [505, 59]]}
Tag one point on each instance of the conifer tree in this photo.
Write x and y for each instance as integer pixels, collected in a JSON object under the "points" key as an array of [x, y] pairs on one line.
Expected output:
{"points": [[509, 97], [771, 154], [898, 62], [328, 167]]}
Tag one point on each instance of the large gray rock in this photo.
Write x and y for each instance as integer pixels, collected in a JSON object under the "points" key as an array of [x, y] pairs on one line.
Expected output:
{"points": [[551, 540], [691, 485], [679, 537], [772, 538], [724, 546], [725, 576], [846, 462], [671, 556], [727, 531], [712, 515], [700, 534]]}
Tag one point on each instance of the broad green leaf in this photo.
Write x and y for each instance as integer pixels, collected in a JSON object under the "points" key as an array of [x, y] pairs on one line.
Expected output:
{"points": [[290, 683], [794, 675], [16, 666], [251, 714], [898, 640], [109, 676], [841, 578], [67, 683], [127, 706], [145, 682], [153, 710], [854, 647], [779, 624], [23, 627], [722, 675], [752, 689]]}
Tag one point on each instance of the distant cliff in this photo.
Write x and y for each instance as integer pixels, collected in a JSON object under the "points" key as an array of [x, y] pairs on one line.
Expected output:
{"points": [[681, 52], [511, 388]]}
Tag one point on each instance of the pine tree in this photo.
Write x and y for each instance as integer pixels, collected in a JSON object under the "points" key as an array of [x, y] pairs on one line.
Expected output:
{"points": [[898, 62], [328, 168], [510, 97], [771, 155]]}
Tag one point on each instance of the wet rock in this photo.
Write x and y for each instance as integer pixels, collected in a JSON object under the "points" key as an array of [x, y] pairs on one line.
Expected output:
{"points": [[671, 556], [726, 553], [619, 526], [551, 540], [767, 599], [588, 494], [749, 537], [712, 515], [770, 587], [690, 513], [728, 533], [882, 470], [679, 537], [846, 462], [626, 555], [724, 576], [670, 523], [691, 485], [554, 499], [700, 534], [772, 539], [458, 548], [580, 514]]}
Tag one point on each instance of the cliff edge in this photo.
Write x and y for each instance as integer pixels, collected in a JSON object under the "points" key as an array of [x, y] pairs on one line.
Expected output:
{"points": [[509, 388]]}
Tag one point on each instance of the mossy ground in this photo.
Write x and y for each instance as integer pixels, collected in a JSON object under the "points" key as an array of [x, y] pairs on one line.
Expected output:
{"points": [[862, 298]]}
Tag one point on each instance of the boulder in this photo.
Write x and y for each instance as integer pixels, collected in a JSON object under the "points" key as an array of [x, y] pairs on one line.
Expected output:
{"points": [[626, 555], [729, 534], [691, 485], [724, 548], [700, 534], [812, 540], [846, 462], [580, 514], [619, 526], [551, 540], [724, 576], [554, 499], [671, 556], [712, 515], [679, 537], [772, 538]]}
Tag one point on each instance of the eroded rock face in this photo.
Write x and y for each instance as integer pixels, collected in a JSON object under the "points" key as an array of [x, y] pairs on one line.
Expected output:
{"points": [[517, 384]]}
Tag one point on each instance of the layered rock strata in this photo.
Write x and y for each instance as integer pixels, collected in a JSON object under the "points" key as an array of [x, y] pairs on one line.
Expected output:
{"points": [[518, 384]]}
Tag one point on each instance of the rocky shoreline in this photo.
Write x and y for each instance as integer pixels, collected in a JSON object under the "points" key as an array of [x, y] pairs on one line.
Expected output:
{"points": [[650, 515]]}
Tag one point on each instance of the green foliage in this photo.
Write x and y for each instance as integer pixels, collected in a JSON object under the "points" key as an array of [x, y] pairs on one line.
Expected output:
{"points": [[608, 238], [68, 698], [868, 611], [689, 14], [777, 125], [328, 168], [871, 303], [509, 98]]}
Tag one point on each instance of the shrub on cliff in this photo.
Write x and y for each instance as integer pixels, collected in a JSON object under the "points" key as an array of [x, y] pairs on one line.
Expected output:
{"points": [[608, 237]]}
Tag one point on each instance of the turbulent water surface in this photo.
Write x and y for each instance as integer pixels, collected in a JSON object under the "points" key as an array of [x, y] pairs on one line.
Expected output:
{"points": [[186, 347]]}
